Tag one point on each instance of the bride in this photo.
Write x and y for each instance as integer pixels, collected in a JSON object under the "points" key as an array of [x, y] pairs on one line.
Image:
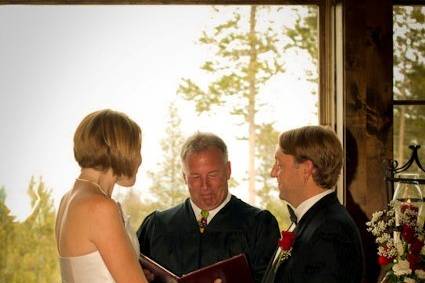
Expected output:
{"points": [[93, 242]]}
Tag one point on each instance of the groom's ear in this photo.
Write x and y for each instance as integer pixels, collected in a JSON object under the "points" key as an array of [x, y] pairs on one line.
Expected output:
{"points": [[308, 167]]}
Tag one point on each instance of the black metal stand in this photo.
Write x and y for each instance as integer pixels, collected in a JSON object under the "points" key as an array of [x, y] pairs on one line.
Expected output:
{"points": [[392, 169]]}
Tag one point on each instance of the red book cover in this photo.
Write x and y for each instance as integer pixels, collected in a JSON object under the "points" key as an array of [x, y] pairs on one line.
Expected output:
{"points": [[231, 270]]}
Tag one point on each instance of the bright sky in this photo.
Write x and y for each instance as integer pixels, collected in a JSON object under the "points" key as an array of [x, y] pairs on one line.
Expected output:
{"points": [[59, 63]]}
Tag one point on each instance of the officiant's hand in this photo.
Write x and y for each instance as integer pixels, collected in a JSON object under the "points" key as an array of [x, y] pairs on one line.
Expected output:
{"points": [[150, 276]]}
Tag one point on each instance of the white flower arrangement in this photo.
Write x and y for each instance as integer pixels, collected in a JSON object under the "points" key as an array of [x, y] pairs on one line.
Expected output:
{"points": [[401, 249]]}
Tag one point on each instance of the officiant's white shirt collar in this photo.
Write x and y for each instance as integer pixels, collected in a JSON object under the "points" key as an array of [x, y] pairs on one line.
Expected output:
{"points": [[307, 204], [211, 213]]}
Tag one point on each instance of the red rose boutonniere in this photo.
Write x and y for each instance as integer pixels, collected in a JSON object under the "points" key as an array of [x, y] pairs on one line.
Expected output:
{"points": [[285, 245]]}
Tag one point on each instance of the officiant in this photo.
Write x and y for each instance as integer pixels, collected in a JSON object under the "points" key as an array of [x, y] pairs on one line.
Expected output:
{"points": [[211, 225]]}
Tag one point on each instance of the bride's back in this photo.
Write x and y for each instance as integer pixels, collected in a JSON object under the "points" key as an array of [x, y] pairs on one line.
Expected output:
{"points": [[75, 221]]}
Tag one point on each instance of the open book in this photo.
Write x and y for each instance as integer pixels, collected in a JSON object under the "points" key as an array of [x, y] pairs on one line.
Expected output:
{"points": [[232, 270]]}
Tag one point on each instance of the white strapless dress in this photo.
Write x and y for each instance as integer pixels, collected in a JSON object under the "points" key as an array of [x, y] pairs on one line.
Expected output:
{"points": [[91, 268]]}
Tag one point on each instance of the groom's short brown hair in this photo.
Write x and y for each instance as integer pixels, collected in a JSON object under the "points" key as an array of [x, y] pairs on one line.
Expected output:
{"points": [[318, 144]]}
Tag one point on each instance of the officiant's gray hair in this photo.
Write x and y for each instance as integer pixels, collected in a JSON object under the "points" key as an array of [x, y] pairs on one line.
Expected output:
{"points": [[201, 141]]}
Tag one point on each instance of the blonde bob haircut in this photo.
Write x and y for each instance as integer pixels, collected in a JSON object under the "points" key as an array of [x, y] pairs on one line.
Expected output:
{"points": [[108, 139], [318, 144]]}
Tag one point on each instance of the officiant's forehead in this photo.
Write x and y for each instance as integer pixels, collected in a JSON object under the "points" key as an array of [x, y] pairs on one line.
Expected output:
{"points": [[209, 161], [200, 142]]}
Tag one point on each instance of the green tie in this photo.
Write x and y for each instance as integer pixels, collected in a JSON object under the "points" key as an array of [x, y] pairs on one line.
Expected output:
{"points": [[203, 220]]}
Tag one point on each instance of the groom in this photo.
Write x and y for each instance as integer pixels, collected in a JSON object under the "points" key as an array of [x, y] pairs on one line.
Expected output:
{"points": [[327, 246]]}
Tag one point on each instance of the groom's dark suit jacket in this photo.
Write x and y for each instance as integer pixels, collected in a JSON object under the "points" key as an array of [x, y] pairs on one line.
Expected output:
{"points": [[327, 247]]}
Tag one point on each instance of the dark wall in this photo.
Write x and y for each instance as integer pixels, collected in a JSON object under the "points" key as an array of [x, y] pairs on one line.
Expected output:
{"points": [[368, 64]]}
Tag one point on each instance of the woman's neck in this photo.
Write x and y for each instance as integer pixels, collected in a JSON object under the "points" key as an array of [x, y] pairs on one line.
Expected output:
{"points": [[104, 181]]}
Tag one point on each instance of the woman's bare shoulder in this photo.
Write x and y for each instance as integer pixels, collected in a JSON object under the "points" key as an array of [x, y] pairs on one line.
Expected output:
{"points": [[88, 207], [98, 204]]}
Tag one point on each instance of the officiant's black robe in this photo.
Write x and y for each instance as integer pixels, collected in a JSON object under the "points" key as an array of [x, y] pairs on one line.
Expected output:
{"points": [[172, 237], [327, 247]]}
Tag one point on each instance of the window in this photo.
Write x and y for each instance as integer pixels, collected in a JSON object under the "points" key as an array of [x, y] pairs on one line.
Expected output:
{"points": [[135, 59], [409, 79], [54, 72]]}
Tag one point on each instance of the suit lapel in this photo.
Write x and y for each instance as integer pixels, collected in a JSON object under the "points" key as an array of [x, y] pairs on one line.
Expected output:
{"points": [[313, 211], [305, 225]]}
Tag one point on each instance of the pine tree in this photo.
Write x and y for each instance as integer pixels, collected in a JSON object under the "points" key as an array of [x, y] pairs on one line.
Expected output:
{"points": [[35, 258], [303, 38], [7, 239], [168, 187], [268, 192], [245, 60], [135, 207]]}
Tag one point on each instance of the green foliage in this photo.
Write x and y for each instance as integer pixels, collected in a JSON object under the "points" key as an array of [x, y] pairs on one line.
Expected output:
{"points": [[409, 51], [302, 37], [42, 257], [247, 54], [243, 58], [168, 187], [136, 207], [28, 248], [301, 34], [267, 141], [7, 233], [2, 194]]}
